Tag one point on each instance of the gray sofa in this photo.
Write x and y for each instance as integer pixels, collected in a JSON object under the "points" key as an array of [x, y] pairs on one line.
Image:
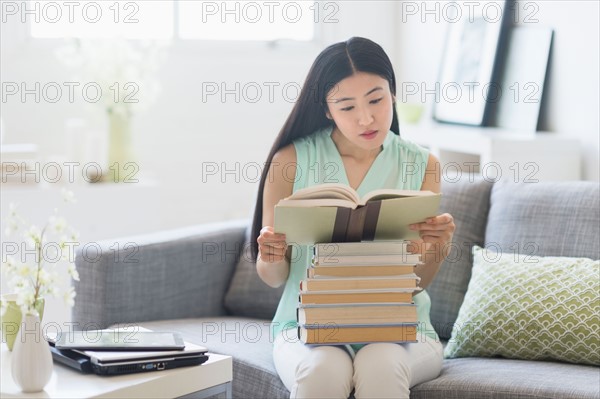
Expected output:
{"points": [[200, 281]]}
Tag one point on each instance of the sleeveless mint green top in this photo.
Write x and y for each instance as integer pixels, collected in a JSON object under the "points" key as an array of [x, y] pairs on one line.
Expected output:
{"points": [[400, 165]]}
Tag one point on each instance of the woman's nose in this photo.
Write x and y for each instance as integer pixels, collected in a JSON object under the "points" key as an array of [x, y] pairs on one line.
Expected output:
{"points": [[365, 118]]}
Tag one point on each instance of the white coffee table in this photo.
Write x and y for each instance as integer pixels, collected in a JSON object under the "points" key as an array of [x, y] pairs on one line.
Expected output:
{"points": [[208, 379]]}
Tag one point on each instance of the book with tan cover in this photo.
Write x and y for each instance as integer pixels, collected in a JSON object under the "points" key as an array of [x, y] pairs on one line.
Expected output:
{"points": [[357, 313], [360, 283], [333, 212], [358, 271], [404, 295], [338, 335]]}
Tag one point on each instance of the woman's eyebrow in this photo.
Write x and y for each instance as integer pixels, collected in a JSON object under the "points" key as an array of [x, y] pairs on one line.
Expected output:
{"points": [[352, 98]]}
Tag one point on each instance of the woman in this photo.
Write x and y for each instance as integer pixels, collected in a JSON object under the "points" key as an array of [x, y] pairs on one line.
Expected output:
{"points": [[344, 129]]}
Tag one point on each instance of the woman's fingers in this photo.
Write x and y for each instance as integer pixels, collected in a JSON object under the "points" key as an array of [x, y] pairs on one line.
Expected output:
{"points": [[441, 222], [268, 252], [272, 246], [438, 229], [278, 244], [268, 236]]}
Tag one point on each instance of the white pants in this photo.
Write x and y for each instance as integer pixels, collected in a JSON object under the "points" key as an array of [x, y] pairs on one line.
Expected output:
{"points": [[379, 370]]}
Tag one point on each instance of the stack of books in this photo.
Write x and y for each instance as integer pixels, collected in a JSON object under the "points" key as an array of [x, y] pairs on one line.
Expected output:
{"points": [[359, 292]]}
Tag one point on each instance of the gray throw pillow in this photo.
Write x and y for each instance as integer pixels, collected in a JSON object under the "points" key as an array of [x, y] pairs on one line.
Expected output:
{"points": [[545, 219], [248, 295], [468, 202]]}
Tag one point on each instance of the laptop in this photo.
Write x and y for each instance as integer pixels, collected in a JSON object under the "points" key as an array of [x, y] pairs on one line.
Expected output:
{"points": [[121, 362]]}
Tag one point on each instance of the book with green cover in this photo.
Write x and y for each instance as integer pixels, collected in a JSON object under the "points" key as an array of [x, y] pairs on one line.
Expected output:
{"points": [[334, 212]]}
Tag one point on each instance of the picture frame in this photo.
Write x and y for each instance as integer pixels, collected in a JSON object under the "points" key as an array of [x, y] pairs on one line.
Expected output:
{"points": [[468, 77], [523, 78]]}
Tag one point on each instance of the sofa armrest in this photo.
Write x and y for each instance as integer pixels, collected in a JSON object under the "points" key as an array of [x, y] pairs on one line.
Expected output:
{"points": [[173, 274]]}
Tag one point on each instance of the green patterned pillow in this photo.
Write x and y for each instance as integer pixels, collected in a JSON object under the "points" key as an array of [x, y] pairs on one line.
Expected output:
{"points": [[529, 307]]}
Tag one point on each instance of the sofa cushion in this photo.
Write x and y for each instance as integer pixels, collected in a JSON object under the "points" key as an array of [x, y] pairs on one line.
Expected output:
{"points": [[530, 307], [248, 295], [482, 378], [545, 219], [254, 375], [468, 202]]}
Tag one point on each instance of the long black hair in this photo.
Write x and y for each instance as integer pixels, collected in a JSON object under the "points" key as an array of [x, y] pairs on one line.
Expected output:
{"points": [[335, 63]]}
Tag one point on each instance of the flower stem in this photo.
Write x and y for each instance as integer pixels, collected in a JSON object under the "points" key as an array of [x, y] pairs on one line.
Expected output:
{"points": [[39, 268]]}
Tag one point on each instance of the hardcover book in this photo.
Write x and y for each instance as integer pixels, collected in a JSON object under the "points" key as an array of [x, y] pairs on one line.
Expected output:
{"points": [[389, 247], [358, 283], [358, 271], [353, 334], [331, 213], [357, 313], [401, 295]]}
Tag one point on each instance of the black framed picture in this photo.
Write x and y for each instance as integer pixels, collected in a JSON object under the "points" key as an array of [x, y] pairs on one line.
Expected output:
{"points": [[467, 81], [523, 77]]}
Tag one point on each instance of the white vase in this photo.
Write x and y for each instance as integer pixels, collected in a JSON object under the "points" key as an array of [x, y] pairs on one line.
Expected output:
{"points": [[121, 161], [31, 362]]}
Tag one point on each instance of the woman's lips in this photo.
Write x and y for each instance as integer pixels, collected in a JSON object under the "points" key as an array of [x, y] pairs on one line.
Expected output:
{"points": [[369, 134]]}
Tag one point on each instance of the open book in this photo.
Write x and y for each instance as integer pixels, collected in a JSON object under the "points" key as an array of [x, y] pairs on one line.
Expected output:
{"points": [[336, 213]]}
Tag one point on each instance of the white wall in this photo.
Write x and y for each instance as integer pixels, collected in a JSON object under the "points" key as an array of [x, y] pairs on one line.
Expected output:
{"points": [[180, 133], [177, 135], [571, 99]]}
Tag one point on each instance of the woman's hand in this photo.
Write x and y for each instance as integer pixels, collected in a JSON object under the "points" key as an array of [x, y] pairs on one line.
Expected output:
{"points": [[437, 232], [271, 246]]}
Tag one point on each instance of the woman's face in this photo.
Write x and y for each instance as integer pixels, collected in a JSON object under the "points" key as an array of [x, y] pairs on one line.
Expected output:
{"points": [[360, 105]]}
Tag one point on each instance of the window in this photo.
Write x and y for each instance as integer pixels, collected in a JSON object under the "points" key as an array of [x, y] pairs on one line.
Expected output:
{"points": [[246, 20], [101, 19], [167, 19]]}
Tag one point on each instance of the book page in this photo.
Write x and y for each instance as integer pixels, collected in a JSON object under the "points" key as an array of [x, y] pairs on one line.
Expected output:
{"points": [[325, 191], [391, 193], [310, 203]]}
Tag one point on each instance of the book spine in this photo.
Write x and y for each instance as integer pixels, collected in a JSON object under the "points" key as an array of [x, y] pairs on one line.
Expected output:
{"points": [[371, 217], [356, 224], [340, 226]]}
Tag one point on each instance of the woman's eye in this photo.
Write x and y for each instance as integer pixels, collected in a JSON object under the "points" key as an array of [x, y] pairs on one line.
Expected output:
{"points": [[370, 102]]}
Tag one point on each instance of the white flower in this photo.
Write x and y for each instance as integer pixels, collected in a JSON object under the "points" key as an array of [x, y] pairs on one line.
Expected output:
{"points": [[71, 237], [18, 283], [57, 224], [69, 296], [24, 270], [25, 300], [9, 266], [67, 249], [11, 227], [32, 281], [52, 291], [72, 270], [12, 224], [44, 278], [68, 196], [33, 235]]}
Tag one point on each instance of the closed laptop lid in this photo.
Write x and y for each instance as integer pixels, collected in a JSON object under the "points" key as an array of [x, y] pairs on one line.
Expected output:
{"points": [[104, 357]]}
